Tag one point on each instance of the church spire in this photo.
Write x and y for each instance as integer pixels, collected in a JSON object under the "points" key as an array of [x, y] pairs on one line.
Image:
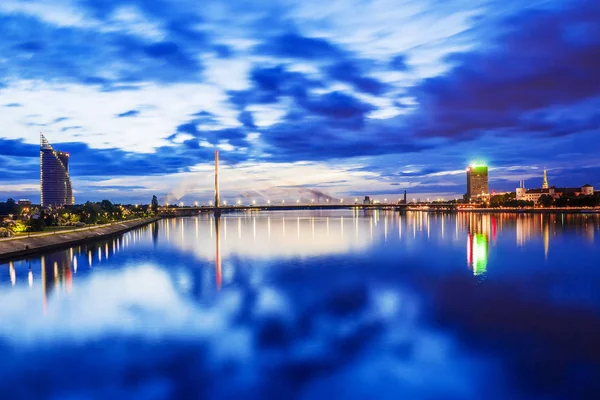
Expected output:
{"points": [[545, 184]]}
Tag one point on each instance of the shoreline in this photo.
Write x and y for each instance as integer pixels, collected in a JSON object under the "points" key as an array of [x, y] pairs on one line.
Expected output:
{"points": [[20, 247], [533, 211]]}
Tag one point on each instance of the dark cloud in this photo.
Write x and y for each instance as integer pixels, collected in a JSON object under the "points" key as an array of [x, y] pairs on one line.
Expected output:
{"points": [[30, 46], [355, 73], [162, 50], [247, 119], [398, 63], [70, 128], [234, 136], [130, 113], [272, 83], [336, 105], [294, 45], [82, 55], [16, 147], [545, 59]]}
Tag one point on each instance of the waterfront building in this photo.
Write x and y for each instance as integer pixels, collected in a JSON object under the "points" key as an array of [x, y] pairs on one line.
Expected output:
{"points": [[535, 194], [477, 182], [55, 182], [24, 202]]}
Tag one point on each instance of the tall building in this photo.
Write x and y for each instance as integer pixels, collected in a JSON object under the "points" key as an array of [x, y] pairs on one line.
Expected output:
{"points": [[477, 181], [545, 183], [55, 183]]}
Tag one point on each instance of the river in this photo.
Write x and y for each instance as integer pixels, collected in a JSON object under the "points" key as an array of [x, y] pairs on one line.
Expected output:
{"points": [[308, 305]]}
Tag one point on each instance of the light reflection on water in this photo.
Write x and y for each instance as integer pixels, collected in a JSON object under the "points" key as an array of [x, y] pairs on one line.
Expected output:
{"points": [[348, 304]]}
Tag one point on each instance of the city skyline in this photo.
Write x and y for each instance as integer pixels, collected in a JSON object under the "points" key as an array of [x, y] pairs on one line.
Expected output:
{"points": [[299, 94]]}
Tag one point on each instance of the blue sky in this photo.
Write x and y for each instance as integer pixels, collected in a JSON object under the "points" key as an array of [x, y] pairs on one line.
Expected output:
{"points": [[350, 97]]}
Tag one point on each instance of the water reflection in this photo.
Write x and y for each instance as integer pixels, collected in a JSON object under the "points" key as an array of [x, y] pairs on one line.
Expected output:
{"points": [[255, 303], [478, 242], [262, 236], [217, 250]]}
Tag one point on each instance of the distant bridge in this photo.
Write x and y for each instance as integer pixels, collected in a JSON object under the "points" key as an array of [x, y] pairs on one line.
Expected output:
{"points": [[186, 211], [222, 207]]}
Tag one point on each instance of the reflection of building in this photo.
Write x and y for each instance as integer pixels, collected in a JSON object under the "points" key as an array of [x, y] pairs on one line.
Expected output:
{"points": [[477, 252], [478, 241], [535, 194], [477, 182], [55, 183], [56, 272]]}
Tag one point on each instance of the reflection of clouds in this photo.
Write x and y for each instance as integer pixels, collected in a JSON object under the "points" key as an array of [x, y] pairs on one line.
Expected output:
{"points": [[265, 236], [362, 335], [141, 300]]}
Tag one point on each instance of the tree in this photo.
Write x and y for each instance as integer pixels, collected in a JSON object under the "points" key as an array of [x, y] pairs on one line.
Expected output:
{"points": [[107, 206], [546, 200], [154, 204]]}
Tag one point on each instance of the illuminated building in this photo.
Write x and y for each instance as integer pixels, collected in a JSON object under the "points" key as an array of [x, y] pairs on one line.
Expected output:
{"points": [[535, 194], [55, 183], [477, 181]]}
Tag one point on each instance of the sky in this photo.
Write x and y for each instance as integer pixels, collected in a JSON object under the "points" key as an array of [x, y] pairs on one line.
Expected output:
{"points": [[347, 97]]}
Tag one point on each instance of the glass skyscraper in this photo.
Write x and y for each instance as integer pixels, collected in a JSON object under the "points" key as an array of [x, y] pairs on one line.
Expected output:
{"points": [[55, 183]]}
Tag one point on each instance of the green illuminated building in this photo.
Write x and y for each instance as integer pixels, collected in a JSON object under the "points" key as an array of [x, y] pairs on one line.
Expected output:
{"points": [[477, 182]]}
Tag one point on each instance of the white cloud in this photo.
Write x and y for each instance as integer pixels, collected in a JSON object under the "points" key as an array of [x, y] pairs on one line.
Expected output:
{"points": [[96, 113]]}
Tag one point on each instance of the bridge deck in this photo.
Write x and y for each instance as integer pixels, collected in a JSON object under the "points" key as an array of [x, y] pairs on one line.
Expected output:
{"points": [[223, 209]]}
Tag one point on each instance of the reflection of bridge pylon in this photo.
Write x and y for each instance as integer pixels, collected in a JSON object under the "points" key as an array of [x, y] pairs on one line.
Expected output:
{"points": [[218, 249]]}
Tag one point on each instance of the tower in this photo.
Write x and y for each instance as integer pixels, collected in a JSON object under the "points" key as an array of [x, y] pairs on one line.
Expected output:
{"points": [[545, 184], [477, 181], [217, 199], [55, 183]]}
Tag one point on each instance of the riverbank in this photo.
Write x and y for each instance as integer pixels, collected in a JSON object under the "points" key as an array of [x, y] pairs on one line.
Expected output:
{"points": [[23, 246], [531, 210]]}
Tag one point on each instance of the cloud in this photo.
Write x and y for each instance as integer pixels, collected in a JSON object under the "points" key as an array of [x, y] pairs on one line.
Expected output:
{"points": [[130, 113], [354, 73], [399, 63], [542, 59], [287, 82], [297, 46]]}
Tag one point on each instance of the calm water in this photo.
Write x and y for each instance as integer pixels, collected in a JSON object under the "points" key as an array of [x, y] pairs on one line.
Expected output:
{"points": [[310, 305]]}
